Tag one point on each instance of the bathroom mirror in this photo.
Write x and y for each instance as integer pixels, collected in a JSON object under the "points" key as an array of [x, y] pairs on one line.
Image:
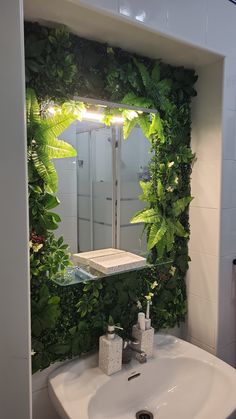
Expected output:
{"points": [[99, 189]]}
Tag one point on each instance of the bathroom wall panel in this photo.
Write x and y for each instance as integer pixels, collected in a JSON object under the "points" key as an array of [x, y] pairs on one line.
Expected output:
{"points": [[152, 13], [206, 194], [202, 277], [229, 132], [191, 24], [230, 83], [227, 303], [42, 406], [200, 309], [205, 224], [221, 29]]}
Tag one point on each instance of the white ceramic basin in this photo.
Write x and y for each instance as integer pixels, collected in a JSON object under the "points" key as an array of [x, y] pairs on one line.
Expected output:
{"points": [[181, 381]]}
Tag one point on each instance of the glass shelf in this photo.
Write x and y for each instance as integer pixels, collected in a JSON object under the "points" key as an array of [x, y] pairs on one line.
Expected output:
{"points": [[83, 273]]}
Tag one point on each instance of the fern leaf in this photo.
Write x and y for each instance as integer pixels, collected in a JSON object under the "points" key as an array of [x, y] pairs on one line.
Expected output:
{"points": [[180, 231], [157, 232], [143, 72], [32, 107], [156, 72], [157, 128], [133, 99], [144, 124], [57, 149], [148, 215], [128, 126], [180, 205]]}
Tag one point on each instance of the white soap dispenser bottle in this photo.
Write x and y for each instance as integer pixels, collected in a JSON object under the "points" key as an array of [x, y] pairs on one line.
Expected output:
{"points": [[110, 351]]}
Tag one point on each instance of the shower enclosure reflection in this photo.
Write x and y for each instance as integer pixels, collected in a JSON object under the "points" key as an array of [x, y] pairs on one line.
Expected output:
{"points": [[99, 189]]}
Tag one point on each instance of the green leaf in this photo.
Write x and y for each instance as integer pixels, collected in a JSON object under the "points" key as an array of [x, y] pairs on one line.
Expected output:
{"points": [[57, 149], [160, 190], [144, 123], [157, 232], [180, 231], [156, 128], [128, 126], [50, 201], [180, 205], [143, 72], [156, 72], [145, 216]]}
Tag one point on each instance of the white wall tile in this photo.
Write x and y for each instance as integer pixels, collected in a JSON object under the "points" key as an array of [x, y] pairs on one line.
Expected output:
{"points": [[202, 276], [228, 232], [204, 237], [40, 378], [111, 5], [229, 135], [227, 303], [200, 310], [68, 229], [67, 206], [152, 12], [187, 19], [228, 353], [67, 182], [42, 406], [228, 197], [230, 83], [205, 185], [221, 29]]}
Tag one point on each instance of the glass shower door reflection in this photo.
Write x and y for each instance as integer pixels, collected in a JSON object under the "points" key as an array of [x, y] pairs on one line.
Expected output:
{"points": [[94, 186]]}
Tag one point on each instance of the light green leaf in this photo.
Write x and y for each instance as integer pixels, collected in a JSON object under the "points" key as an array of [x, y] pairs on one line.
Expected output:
{"points": [[160, 189], [157, 232], [148, 215], [144, 123], [156, 128], [180, 205], [180, 231], [57, 149], [128, 126]]}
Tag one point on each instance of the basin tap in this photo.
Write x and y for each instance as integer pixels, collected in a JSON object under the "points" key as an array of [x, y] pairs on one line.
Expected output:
{"points": [[129, 349]]}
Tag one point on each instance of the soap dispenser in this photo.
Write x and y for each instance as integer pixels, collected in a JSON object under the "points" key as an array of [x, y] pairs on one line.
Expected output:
{"points": [[143, 333], [110, 351]]}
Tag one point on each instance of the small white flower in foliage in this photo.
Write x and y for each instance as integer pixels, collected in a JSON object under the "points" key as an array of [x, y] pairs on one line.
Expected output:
{"points": [[171, 163], [169, 189], [154, 285], [172, 270], [139, 305]]}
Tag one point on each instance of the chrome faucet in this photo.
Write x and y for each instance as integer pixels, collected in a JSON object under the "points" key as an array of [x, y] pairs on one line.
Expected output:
{"points": [[130, 349]]}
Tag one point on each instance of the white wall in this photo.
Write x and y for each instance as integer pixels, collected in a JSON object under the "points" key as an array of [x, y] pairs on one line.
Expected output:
{"points": [[209, 24], [203, 274], [15, 381]]}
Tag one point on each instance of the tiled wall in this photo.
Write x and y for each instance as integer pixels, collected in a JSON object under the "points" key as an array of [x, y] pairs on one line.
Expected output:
{"points": [[202, 278], [209, 24]]}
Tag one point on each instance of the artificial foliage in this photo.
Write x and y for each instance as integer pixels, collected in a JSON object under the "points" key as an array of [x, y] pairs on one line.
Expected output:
{"points": [[67, 321]]}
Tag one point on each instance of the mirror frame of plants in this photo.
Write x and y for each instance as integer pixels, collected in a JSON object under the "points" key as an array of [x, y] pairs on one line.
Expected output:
{"points": [[67, 321]]}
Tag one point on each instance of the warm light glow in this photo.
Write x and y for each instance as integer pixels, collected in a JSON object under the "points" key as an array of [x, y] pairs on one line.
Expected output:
{"points": [[94, 116]]}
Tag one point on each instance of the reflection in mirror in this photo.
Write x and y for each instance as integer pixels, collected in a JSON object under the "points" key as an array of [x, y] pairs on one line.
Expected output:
{"points": [[99, 189]]}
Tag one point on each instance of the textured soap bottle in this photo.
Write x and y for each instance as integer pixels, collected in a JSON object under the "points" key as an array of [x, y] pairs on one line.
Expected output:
{"points": [[110, 351], [143, 333]]}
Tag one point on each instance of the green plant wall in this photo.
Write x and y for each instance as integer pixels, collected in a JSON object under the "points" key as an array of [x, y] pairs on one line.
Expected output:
{"points": [[67, 321]]}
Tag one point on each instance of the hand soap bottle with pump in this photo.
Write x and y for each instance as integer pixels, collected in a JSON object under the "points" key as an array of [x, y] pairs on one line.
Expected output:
{"points": [[110, 351], [143, 333]]}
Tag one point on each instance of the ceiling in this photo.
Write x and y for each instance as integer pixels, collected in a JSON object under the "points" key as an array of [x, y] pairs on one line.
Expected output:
{"points": [[116, 31]]}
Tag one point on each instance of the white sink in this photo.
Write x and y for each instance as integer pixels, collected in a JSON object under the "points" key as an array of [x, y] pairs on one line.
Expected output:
{"points": [[181, 381]]}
